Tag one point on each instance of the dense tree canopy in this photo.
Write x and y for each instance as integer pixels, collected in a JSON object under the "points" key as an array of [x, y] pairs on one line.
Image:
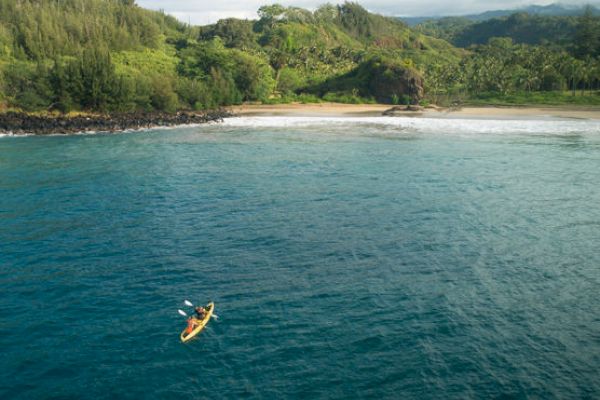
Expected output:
{"points": [[575, 34], [587, 36], [111, 55]]}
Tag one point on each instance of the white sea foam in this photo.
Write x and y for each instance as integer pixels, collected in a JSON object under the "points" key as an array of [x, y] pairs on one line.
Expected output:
{"points": [[10, 134], [428, 125], [391, 125], [117, 132]]}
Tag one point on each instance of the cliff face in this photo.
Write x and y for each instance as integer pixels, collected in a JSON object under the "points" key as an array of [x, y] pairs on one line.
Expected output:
{"points": [[393, 83]]}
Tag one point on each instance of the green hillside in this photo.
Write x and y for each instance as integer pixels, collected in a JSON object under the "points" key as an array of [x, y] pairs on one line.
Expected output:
{"points": [[113, 56], [522, 28], [85, 54], [558, 32], [306, 49], [511, 58]]}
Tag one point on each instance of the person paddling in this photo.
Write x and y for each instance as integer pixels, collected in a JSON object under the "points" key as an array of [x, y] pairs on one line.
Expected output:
{"points": [[191, 325], [200, 312]]}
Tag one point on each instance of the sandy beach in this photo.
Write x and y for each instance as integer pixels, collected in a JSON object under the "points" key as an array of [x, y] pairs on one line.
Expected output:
{"points": [[335, 109]]}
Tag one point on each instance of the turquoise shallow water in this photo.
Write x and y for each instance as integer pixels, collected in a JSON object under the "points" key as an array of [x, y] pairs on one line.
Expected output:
{"points": [[347, 258]]}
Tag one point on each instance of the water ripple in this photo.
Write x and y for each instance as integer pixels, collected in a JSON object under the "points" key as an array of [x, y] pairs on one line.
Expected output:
{"points": [[387, 258]]}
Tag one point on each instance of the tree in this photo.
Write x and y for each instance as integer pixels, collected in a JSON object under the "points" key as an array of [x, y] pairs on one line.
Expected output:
{"points": [[124, 94], [163, 96], [326, 13], [289, 80], [253, 77], [273, 11], [587, 38], [27, 86], [98, 77], [233, 32], [354, 18], [59, 81]]}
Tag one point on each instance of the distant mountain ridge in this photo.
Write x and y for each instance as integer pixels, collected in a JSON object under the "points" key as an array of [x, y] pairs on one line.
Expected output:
{"points": [[535, 25], [551, 10]]}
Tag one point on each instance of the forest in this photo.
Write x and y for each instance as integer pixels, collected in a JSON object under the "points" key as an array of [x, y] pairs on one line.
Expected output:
{"points": [[114, 56]]}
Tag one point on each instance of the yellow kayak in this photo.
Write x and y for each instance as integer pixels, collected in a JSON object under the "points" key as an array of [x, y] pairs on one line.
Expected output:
{"points": [[200, 324]]}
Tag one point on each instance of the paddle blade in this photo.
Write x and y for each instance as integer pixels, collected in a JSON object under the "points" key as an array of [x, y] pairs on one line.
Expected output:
{"points": [[182, 313], [188, 303], [215, 316]]}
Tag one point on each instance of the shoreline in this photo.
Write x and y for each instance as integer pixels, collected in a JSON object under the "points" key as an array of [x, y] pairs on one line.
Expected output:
{"points": [[372, 110], [22, 124]]}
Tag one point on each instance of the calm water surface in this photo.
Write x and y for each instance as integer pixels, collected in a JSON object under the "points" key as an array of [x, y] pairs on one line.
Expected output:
{"points": [[369, 258]]}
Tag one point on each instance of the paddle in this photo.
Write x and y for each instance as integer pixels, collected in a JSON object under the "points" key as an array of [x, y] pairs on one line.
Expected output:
{"points": [[182, 313], [189, 304]]}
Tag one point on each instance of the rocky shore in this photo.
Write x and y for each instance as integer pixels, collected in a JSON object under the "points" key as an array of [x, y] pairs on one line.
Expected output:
{"points": [[23, 123]]}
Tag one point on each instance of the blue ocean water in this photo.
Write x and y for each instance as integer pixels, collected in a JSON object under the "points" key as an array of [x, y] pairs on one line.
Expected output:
{"points": [[348, 258]]}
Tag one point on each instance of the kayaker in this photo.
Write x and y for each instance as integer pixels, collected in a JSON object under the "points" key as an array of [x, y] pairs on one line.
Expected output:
{"points": [[191, 325], [200, 312]]}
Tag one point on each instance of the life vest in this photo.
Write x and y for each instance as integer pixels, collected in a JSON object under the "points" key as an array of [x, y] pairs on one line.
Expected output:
{"points": [[190, 326]]}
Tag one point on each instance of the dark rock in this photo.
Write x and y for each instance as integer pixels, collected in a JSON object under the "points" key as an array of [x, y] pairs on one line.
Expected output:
{"points": [[22, 123], [398, 110]]}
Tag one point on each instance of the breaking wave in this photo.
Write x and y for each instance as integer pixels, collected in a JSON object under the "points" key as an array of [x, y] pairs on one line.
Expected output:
{"points": [[428, 125]]}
